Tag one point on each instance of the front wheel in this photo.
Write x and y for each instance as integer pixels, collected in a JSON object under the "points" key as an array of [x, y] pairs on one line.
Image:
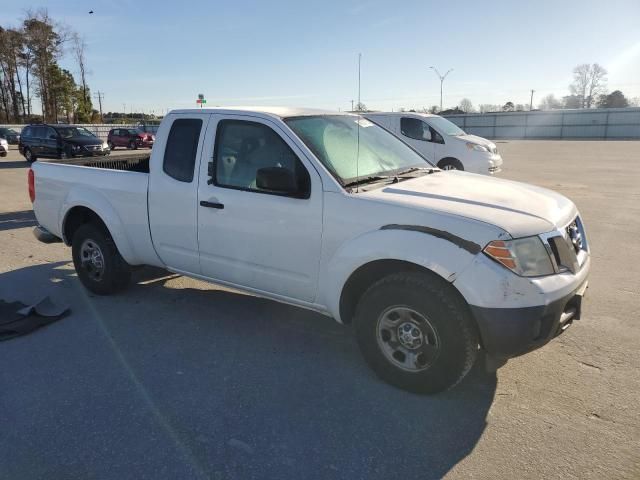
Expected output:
{"points": [[450, 164], [111, 145], [99, 265], [133, 145], [415, 332]]}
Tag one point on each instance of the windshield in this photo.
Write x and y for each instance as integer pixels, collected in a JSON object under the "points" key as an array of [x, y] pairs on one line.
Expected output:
{"points": [[445, 127], [352, 147], [68, 132], [133, 131]]}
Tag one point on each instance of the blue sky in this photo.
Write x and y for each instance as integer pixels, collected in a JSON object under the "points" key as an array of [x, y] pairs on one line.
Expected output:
{"points": [[158, 55]]}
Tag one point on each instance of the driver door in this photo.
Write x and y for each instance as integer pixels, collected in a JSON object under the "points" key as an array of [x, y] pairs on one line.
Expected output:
{"points": [[248, 236], [418, 134]]}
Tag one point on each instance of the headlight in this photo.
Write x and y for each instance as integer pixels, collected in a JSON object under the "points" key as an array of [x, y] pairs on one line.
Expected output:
{"points": [[105, 146], [76, 147], [477, 147], [526, 257]]}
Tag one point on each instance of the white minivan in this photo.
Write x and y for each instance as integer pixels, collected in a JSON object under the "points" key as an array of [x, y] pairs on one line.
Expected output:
{"points": [[441, 141]]}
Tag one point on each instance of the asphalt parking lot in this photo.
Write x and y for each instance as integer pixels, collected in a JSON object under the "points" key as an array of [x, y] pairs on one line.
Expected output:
{"points": [[177, 378]]}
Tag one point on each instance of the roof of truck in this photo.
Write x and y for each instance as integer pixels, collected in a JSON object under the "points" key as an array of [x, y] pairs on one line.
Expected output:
{"points": [[404, 114], [280, 112]]}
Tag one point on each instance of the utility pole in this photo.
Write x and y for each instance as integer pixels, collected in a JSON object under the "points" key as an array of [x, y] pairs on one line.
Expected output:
{"points": [[359, 60], [352, 105], [531, 103], [441, 77], [100, 96]]}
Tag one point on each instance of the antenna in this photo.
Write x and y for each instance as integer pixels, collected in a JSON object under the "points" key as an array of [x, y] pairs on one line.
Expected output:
{"points": [[359, 60], [359, 107]]}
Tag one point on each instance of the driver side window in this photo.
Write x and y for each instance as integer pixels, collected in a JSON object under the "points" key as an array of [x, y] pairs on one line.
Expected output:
{"points": [[248, 155], [415, 128]]}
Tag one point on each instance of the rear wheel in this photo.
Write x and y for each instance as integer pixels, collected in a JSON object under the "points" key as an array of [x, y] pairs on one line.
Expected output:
{"points": [[29, 156], [450, 164], [99, 265], [133, 145], [416, 333]]}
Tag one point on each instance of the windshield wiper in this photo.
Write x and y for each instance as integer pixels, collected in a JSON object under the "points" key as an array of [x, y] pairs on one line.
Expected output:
{"points": [[371, 179], [426, 170]]}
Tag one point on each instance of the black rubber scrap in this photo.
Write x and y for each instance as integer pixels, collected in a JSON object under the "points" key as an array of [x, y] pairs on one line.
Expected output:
{"points": [[19, 319]]}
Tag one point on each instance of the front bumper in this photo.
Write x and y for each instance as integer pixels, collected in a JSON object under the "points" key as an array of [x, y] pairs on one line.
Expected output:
{"points": [[509, 332], [495, 164]]}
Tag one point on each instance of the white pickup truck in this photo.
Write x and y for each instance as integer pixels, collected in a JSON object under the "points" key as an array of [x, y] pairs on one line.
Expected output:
{"points": [[333, 213]]}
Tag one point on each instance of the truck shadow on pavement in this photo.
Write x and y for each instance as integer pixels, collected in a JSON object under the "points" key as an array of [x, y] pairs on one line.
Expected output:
{"points": [[178, 382]]}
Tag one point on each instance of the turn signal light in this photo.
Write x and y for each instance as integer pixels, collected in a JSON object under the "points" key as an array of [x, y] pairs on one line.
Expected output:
{"points": [[499, 251]]}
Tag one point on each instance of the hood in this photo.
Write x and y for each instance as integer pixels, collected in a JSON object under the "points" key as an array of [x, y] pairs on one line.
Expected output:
{"points": [[467, 137], [518, 208], [83, 140]]}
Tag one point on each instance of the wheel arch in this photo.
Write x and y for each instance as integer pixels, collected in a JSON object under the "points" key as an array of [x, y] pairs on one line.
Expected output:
{"points": [[98, 211], [376, 254]]}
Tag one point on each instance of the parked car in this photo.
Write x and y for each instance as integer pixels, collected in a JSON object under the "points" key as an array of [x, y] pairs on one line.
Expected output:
{"points": [[10, 135], [59, 141], [129, 138], [332, 213], [442, 141], [4, 147]]}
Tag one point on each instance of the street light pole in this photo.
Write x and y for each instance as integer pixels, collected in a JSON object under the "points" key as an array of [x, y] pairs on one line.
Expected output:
{"points": [[441, 77]]}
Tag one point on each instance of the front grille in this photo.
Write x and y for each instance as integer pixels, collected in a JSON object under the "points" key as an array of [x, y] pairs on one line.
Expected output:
{"points": [[93, 148], [567, 247]]}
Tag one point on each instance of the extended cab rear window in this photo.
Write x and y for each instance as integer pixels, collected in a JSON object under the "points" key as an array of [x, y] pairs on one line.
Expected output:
{"points": [[182, 147]]}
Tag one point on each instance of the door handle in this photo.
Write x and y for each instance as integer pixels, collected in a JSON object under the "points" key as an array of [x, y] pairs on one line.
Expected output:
{"points": [[204, 203]]}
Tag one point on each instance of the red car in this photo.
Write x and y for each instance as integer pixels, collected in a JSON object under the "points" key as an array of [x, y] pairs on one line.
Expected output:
{"points": [[129, 138]]}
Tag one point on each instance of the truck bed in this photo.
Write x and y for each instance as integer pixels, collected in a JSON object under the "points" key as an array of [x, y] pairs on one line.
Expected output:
{"points": [[130, 162], [115, 188]]}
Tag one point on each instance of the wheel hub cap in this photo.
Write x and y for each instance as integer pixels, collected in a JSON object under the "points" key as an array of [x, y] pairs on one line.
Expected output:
{"points": [[407, 338], [409, 335], [92, 259]]}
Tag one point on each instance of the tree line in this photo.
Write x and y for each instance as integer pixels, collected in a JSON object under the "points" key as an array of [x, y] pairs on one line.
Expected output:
{"points": [[587, 90], [29, 69]]}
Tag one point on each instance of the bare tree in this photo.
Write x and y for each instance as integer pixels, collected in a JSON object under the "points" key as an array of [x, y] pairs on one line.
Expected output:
{"points": [[589, 82], [361, 107], [488, 107], [79, 46], [550, 102], [466, 106]]}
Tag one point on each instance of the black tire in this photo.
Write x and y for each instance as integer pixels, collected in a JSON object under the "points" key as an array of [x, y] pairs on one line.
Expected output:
{"points": [[133, 145], [450, 164], [65, 153], [115, 274], [449, 321], [111, 145], [29, 156]]}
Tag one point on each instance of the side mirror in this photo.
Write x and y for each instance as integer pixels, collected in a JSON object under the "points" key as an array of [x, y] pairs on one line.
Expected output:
{"points": [[426, 134], [277, 179]]}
